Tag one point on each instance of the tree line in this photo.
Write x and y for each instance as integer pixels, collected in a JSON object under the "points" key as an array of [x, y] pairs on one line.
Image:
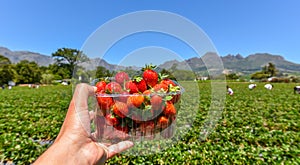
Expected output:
{"points": [[66, 67], [29, 72]]}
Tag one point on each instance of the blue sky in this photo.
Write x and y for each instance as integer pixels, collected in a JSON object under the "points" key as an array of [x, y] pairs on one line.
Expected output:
{"points": [[233, 26]]}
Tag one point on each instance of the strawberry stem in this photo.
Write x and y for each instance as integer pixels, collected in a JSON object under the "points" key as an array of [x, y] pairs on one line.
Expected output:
{"points": [[149, 67]]}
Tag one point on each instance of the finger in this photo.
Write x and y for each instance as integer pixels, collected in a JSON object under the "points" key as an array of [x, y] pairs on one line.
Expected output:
{"points": [[118, 148], [81, 94], [79, 103]]}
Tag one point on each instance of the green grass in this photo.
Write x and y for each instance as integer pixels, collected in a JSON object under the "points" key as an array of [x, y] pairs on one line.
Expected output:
{"points": [[28, 114], [256, 127]]}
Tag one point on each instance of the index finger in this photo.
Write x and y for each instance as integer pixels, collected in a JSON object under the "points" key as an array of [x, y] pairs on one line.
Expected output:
{"points": [[81, 95]]}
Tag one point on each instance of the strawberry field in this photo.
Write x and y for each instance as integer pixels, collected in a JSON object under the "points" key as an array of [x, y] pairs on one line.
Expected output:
{"points": [[256, 127], [29, 120]]}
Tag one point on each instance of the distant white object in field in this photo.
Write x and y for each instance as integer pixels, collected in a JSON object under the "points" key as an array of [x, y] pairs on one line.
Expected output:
{"points": [[270, 79], [229, 90], [252, 86], [297, 89], [269, 86]]}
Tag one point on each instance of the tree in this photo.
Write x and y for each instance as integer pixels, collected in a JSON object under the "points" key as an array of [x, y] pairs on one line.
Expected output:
{"points": [[266, 72], [259, 75], [47, 78], [44, 69], [232, 76], [82, 75], [59, 72], [4, 60], [28, 72], [7, 73], [272, 69], [103, 72], [68, 58]]}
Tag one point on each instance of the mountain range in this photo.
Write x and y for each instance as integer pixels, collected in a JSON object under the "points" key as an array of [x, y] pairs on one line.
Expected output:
{"points": [[16, 56], [232, 63], [238, 63]]}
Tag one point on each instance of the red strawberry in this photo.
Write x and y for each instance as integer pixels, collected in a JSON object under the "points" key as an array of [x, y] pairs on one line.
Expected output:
{"points": [[147, 127], [162, 122], [105, 102], [113, 87], [120, 109], [175, 98], [169, 109], [156, 102], [150, 76], [100, 86], [161, 88], [121, 77], [140, 83], [122, 127], [172, 119], [135, 100], [111, 120], [168, 82], [123, 131], [131, 87], [147, 92], [123, 97]]}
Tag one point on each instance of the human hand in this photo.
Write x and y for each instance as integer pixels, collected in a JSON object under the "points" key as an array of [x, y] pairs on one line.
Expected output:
{"points": [[75, 143]]}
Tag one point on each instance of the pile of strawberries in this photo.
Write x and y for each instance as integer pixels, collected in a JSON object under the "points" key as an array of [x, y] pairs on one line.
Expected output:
{"points": [[142, 105]]}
